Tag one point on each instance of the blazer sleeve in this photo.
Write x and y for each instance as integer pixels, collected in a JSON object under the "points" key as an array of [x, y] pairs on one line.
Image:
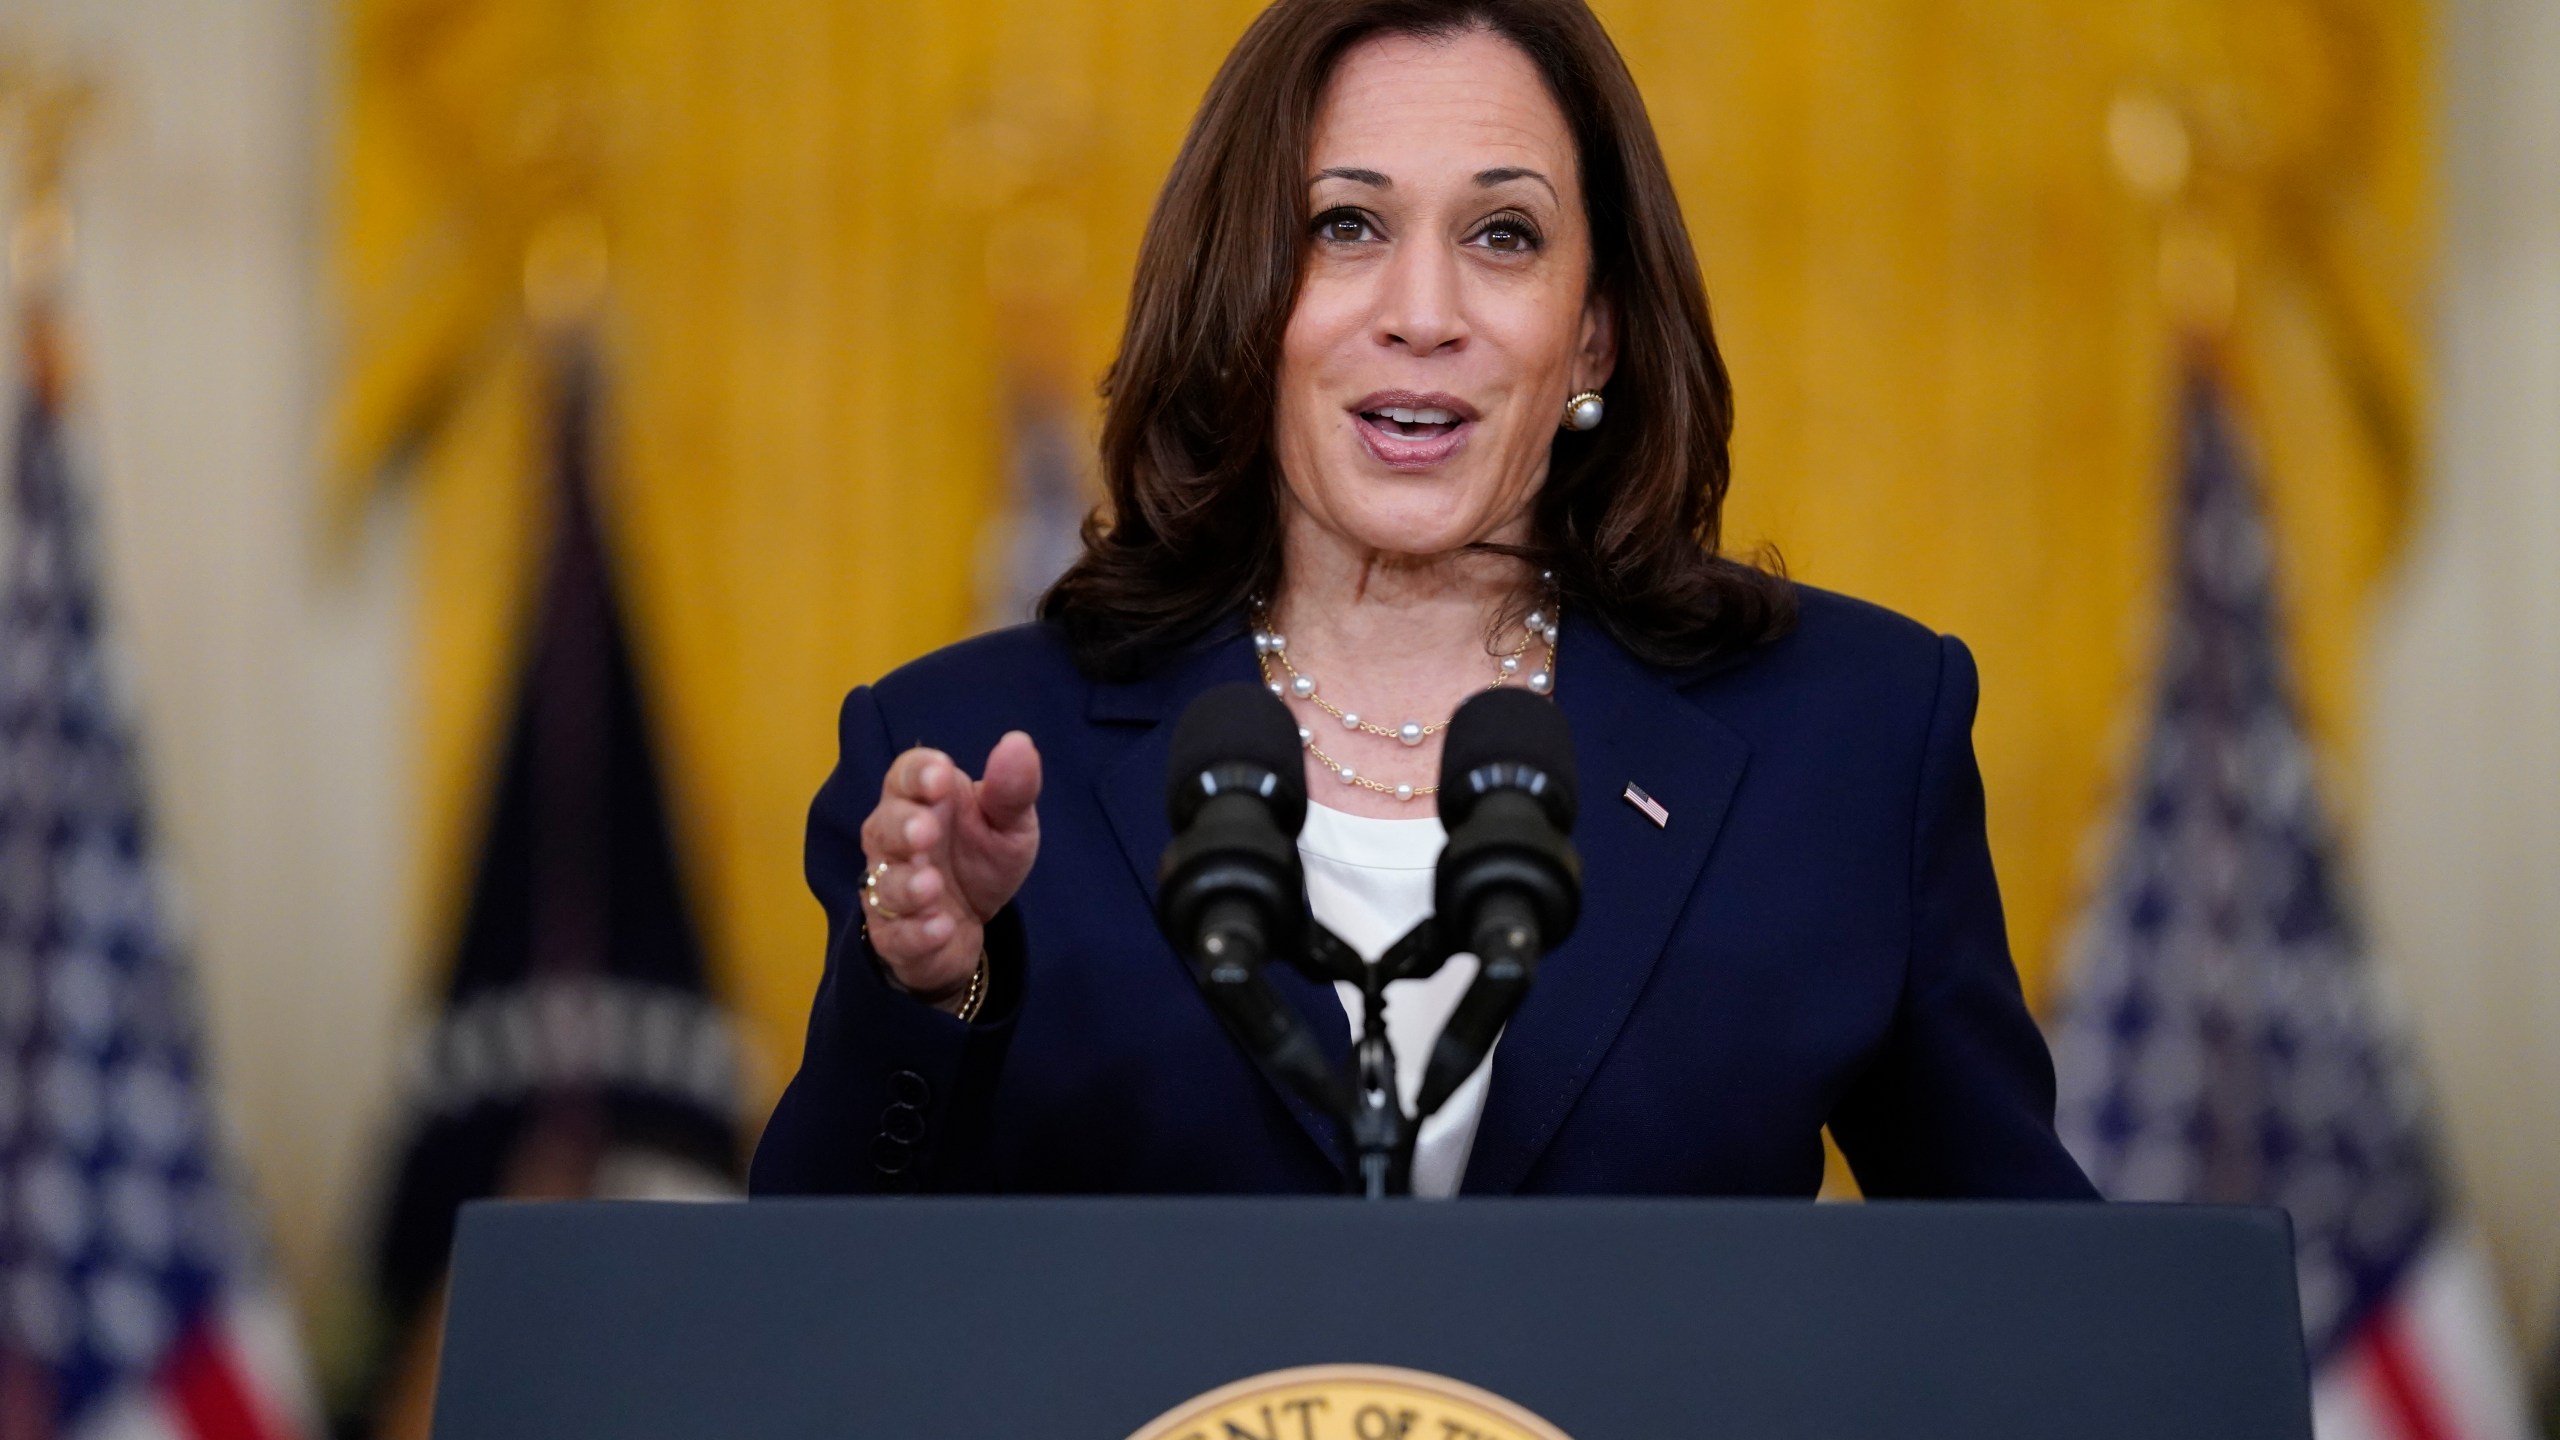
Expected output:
{"points": [[892, 1095], [1959, 1100]]}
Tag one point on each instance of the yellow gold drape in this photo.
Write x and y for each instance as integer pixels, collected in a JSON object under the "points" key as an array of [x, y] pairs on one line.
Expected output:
{"points": [[849, 244]]}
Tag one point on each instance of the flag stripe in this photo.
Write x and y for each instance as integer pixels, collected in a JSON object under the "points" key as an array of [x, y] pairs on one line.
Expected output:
{"points": [[2458, 1332], [208, 1390], [264, 1347], [2399, 1378]]}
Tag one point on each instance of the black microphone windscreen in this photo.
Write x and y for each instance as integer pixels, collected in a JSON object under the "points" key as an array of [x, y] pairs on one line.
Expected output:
{"points": [[1507, 727], [1238, 724]]}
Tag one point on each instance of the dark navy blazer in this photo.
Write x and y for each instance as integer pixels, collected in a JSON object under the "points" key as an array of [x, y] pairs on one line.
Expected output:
{"points": [[1814, 938]]}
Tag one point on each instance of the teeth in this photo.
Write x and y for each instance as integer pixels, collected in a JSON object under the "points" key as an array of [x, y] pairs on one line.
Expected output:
{"points": [[1404, 416]]}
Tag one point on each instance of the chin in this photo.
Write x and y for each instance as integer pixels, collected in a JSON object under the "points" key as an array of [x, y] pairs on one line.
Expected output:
{"points": [[1398, 530]]}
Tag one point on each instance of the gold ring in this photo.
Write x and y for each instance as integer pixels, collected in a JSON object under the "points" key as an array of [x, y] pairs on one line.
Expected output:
{"points": [[871, 893]]}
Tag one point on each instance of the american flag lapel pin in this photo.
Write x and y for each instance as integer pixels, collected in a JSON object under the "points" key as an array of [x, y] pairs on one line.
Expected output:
{"points": [[1652, 808]]}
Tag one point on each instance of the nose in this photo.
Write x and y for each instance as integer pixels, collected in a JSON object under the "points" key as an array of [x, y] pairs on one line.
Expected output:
{"points": [[1419, 307]]}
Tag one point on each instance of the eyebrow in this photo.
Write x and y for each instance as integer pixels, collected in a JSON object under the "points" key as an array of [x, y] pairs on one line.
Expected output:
{"points": [[1501, 174]]}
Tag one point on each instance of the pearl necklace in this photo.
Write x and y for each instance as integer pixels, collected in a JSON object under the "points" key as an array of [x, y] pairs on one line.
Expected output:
{"points": [[1272, 648]]}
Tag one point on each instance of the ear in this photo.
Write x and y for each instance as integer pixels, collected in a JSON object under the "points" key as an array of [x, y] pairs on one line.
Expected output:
{"points": [[1596, 358]]}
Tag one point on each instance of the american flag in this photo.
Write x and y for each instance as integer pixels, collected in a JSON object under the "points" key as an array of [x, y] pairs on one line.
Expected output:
{"points": [[131, 1301], [2221, 1041]]}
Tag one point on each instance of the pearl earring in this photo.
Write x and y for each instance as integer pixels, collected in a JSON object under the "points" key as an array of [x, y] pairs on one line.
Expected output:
{"points": [[1583, 411]]}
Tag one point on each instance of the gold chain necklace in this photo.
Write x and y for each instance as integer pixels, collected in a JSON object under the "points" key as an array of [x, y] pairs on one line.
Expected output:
{"points": [[1271, 649]]}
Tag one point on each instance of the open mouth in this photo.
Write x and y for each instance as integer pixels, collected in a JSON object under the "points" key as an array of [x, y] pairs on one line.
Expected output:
{"points": [[1413, 422], [1410, 431]]}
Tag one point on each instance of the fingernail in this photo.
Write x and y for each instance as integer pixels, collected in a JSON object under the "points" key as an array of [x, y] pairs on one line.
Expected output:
{"points": [[913, 831], [938, 927]]}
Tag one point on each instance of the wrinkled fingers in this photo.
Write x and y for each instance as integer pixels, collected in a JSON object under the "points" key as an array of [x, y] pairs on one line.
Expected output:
{"points": [[899, 903], [900, 829], [895, 889]]}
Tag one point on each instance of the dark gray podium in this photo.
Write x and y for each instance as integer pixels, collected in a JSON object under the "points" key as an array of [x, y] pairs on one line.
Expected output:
{"points": [[1607, 1320]]}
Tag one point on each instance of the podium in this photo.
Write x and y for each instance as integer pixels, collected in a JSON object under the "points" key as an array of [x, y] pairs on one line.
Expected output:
{"points": [[1308, 1319]]}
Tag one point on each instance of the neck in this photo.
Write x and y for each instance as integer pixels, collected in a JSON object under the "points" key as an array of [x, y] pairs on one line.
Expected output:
{"points": [[1356, 601], [1394, 639]]}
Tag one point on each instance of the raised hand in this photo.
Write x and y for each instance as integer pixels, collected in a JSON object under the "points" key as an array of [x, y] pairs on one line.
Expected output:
{"points": [[946, 852]]}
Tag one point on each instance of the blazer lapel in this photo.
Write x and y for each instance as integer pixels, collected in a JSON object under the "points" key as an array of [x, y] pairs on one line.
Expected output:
{"points": [[1629, 726], [1131, 792]]}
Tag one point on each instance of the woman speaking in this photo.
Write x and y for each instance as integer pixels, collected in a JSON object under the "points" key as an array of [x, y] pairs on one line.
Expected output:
{"points": [[1418, 396]]}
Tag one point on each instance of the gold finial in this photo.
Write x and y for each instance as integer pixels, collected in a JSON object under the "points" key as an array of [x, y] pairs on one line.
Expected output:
{"points": [[51, 109], [2155, 144], [56, 108], [560, 147], [2147, 139]]}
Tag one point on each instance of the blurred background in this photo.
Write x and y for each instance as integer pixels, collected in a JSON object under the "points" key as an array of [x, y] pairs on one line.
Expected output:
{"points": [[465, 390]]}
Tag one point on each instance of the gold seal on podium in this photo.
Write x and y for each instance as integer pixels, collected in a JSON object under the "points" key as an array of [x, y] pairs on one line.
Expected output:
{"points": [[1348, 1402]]}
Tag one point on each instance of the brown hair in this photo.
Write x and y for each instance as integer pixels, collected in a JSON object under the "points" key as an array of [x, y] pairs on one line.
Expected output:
{"points": [[1628, 518]]}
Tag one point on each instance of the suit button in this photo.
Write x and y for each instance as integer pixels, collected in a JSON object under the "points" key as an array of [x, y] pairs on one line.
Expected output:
{"points": [[892, 1156], [902, 1123], [909, 1088]]}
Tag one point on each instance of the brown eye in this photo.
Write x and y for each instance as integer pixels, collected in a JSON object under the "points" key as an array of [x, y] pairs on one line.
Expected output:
{"points": [[1508, 234], [1348, 227]]}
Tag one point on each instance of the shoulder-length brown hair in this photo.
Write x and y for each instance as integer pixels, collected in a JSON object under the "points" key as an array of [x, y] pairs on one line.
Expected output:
{"points": [[1628, 519]]}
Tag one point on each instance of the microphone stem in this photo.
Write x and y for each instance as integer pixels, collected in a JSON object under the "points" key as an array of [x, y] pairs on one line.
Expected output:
{"points": [[1508, 944], [1229, 953], [1379, 1130]]}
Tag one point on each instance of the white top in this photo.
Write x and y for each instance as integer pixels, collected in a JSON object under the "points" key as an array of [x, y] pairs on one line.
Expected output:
{"points": [[1369, 881]]}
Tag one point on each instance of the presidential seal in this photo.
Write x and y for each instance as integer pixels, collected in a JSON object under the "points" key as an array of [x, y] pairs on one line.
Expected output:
{"points": [[1348, 1402]]}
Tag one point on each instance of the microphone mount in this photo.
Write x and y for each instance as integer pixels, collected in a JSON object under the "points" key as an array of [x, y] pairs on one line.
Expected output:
{"points": [[1231, 896]]}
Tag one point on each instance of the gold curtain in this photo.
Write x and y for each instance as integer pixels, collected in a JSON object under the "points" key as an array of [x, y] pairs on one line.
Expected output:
{"points": [[850, 245]]}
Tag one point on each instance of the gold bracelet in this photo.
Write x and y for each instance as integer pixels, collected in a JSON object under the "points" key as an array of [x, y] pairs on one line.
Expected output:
{"points": [[971, 1001], [976, 999]]}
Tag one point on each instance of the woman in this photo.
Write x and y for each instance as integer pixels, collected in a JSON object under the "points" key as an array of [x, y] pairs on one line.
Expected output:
{"points": [[1418, 395]]}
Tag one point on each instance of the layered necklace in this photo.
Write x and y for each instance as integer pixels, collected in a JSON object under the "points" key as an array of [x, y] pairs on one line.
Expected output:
{"points": [[1282, 674]]}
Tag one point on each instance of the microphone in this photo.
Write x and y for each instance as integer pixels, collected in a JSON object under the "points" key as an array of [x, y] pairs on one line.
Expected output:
{"points": [[1229, 891], [1509, 886]]}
